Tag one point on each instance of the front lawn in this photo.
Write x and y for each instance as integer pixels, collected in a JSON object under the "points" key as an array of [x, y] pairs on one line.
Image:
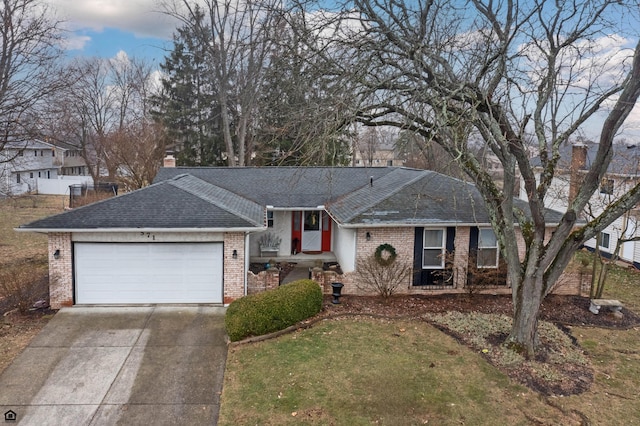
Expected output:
{"points": [[365, 370]]}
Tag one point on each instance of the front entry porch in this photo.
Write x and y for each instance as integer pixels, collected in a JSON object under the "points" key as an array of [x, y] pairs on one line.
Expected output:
{"points": [[310, 231], [285, 269], [304, 259]]}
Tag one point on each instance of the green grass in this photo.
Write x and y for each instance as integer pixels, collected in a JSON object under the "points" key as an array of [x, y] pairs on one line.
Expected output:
{"points": [[18, 247], [357, 371], [615, 356], [364, 371], [23, 255], [622, 281]]}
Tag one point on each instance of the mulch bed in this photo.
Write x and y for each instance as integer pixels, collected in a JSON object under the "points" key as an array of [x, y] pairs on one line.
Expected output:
{"points": [[563, 310]]}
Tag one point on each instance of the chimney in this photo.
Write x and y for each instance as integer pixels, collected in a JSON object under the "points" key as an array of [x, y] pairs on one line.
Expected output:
{"points": [[578, 163], [169, 160]]}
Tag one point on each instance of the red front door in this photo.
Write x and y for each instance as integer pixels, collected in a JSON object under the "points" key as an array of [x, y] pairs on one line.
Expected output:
{"points": [[297, 228], [296, 232], [326, 232]]}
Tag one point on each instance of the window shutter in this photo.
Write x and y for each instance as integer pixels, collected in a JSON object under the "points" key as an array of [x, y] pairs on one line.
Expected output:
{"points": [[417, 256]]}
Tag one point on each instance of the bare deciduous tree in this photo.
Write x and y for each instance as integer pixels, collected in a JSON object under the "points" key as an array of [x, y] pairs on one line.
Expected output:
{"points": [[105, 100], [137, 148], [504, 71], [30, 37]]}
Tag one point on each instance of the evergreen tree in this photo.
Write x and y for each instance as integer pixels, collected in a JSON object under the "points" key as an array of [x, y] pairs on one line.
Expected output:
{"points": [[187, 105]]}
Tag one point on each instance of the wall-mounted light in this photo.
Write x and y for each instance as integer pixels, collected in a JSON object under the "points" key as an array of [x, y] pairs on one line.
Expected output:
{"points": [[368, 236], [235, 254], [56, 254]]}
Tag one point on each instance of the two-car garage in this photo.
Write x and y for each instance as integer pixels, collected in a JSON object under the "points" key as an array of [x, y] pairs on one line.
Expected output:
{"points": [[141, 273], [179, 240]]}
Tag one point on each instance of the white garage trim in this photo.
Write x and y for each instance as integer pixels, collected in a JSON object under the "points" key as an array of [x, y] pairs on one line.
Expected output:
{"points": [[147, 237], [132, 273]]}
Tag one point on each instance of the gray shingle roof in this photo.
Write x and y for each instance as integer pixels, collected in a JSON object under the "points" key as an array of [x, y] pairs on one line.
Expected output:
{"points": [[286, 187], [239, 206], [432, 198], [362, 200], [169, 204], [223, 198]]}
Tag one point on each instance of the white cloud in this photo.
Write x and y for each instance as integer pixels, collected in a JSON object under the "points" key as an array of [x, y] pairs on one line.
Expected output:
{"points": [[140, 17], [75, 42]]}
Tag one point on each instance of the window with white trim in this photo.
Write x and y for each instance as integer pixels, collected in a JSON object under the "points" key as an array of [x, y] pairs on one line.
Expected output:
{"points": [[433, 248], [270, 219], [605, 240], [487, 248], [606, 186]]}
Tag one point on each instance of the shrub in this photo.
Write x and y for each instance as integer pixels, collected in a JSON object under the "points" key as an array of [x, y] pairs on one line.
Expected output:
{"points": [[383, 278], [273, 310], [23, 283]]}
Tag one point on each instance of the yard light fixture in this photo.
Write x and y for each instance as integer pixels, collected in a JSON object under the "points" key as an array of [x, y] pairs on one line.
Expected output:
{"points": [[368, 236], [235, 254], [56, 254]]}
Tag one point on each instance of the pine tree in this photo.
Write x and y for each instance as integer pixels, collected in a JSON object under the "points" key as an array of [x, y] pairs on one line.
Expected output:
{"points": [[187, 105]]}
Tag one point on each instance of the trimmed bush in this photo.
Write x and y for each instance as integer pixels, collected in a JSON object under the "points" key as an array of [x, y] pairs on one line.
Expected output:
{"points": [[273, 310]]}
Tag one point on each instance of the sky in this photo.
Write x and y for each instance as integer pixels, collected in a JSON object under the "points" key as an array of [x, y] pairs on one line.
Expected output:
{"points": [[105, 27]]}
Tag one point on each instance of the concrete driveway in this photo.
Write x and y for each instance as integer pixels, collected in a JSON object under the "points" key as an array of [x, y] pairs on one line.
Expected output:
{"points": [[120, 365]]}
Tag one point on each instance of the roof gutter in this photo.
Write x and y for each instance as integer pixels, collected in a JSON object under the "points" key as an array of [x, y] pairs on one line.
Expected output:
{"points": [[421, 224], [293, 209], [113, 230]]}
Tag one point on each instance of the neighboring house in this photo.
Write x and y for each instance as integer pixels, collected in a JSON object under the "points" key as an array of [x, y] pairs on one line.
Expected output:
{"points": [[191, 236], [379, 158], [376, 154], [23, 164], [623, 173]]}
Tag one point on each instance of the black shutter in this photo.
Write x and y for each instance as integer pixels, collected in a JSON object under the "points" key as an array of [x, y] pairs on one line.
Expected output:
{"points": [[473, 240], [473, 253], [417, 256], [451, 238]]}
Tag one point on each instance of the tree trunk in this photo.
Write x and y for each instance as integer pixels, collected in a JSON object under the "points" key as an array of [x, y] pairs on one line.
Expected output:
{"points": [[226, 131], [523, 337], [242, 135]]}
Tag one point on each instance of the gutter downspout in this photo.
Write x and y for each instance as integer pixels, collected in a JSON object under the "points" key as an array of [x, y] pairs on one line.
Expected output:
{"points": [[246, 261]]}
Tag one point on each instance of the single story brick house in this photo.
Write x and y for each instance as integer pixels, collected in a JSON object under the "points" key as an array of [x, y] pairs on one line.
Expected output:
{"points": [[190, 236]]}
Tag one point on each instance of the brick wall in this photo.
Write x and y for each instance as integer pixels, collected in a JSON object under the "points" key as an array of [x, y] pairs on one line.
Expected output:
{"points": [[60, 270], [402, 239], [234, 274], [263, 280], [573, 284], [461, 257]]}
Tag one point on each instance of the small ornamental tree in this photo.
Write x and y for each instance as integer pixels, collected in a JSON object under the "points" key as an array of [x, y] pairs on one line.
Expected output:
{"points": [[382, 272]]}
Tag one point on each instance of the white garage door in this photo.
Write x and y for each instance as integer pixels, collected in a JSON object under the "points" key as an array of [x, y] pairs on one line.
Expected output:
{"points": [[122, 273]]}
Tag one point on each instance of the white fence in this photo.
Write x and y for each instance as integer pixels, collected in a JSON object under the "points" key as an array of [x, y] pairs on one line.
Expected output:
{"points": [[60, 186]]}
